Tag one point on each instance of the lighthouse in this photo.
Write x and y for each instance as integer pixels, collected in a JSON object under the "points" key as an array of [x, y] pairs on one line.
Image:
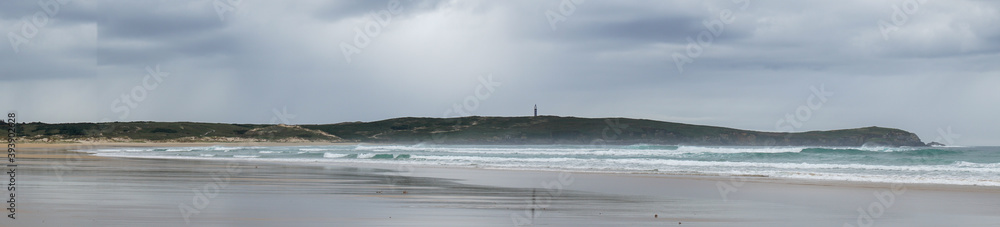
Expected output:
{"points": [[536, 110]]}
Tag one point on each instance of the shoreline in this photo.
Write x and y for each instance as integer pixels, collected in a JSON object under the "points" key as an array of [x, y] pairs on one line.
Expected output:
{"points": [[270, 193], [709, 177]]}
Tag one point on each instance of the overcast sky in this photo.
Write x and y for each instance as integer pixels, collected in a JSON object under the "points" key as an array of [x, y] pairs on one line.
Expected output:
{"points": [[929, 67]]}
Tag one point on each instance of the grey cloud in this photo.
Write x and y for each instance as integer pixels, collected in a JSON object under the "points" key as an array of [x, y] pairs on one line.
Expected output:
{"points": [[606, 59]]}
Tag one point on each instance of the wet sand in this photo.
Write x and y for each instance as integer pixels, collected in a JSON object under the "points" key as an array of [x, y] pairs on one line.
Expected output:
{"points": [[63, 188]]}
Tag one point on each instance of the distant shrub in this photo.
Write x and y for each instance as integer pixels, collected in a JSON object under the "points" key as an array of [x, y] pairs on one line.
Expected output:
{"points": [[72, 129], [163, 130]]}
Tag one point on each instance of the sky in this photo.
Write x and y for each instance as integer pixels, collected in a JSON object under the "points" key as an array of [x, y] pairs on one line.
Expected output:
{"points": [[925, 66]]}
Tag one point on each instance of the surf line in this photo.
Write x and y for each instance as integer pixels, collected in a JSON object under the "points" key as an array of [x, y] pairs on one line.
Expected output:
{"points": [[11, 135]]}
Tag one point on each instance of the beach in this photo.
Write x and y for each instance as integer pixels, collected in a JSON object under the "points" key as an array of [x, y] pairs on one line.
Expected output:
{"points": [[59, 187]]}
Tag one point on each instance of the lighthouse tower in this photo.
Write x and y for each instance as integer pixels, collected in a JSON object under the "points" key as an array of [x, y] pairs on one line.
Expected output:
{"points": [[536, 110]]}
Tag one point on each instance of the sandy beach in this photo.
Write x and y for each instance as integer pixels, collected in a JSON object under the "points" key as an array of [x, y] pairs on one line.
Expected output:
{"points": [[500, 113], [58, 187]]}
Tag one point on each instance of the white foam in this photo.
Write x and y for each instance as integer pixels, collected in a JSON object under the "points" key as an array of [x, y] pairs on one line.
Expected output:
{"points": [[621, 159], [223, 148], [874, 148], [584, 150], [914, 168], [976, 165], [385, 147], [492, 159], [315, 149], [333, 155], [734, 150]]}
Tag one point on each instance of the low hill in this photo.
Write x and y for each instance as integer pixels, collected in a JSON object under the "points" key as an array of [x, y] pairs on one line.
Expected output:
{"points": [[467, 130], [168, 132]]}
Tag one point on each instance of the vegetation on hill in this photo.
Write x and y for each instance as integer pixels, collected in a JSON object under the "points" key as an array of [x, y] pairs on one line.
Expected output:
{"points": [[167, 132], [572, 130], [468, 130]]}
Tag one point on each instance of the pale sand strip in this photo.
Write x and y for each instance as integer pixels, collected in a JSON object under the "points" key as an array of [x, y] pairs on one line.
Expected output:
{"points": [[113, 144]]}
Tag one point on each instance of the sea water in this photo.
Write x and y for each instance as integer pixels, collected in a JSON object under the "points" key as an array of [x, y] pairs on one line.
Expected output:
{"points": [[930, 165]]}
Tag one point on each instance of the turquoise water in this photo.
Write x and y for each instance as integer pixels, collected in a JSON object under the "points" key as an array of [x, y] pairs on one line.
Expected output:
{"points": [[934, 165]]}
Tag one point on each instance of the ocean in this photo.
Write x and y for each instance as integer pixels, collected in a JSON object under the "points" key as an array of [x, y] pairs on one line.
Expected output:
{"points": [[927, 165]]}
